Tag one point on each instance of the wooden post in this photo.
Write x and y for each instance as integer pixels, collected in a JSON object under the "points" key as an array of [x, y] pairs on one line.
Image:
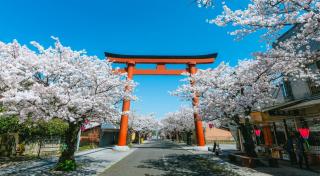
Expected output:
{"points": [[267, 134], [125, 109], [285, 129], [275, 133], [197, 118]]}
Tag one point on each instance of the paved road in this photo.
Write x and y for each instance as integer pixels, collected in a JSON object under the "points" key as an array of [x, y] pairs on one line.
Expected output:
{"points": [[161, 158]]}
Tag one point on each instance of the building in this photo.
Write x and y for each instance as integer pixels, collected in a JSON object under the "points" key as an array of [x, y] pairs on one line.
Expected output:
{"points": [[211, 134], [297, 107], [219, 135], [96, 134], [90, 134], [109, 134]]}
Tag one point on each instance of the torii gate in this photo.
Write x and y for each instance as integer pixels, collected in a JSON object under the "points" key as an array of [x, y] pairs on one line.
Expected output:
{"points": [[160, 61]]}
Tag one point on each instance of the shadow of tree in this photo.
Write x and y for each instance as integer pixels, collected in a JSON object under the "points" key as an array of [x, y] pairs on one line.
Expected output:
{"points": [[45, 167], [186, 165], [284, 169], [171, 148]]}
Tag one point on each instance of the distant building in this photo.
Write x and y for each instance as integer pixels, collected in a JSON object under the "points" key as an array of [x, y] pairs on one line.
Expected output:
{"points": [[218, 135], [102, 135], [109, 134], [90, 134]]}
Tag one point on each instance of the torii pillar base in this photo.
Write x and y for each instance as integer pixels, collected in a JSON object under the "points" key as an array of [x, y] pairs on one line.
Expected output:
{"points": [[200, 148], [121, 148]]}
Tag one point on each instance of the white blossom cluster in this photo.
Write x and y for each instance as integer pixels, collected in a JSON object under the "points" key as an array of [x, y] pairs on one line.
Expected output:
{"points": [[204, 3], [58, 82], [294, 51], [228, 92], [143, 124], [179, 121]]}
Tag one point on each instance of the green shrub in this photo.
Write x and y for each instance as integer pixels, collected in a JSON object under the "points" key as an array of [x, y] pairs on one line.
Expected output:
{"points": [[66, 165], [87, 147], [9, 124]]}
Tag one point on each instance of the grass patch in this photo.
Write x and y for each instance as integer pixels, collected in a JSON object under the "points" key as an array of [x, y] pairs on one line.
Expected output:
{"points": [[67, 166], [88, 147]]}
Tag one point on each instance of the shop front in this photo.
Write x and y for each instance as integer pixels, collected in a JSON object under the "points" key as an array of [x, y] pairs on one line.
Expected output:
{"points": [[278, 136]]}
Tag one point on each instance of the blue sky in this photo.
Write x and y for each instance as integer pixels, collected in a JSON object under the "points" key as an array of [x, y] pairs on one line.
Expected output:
{"points": [[156, 27]]}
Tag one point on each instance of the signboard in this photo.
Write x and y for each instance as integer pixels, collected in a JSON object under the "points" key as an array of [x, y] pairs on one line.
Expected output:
{"points": [[258, 116], [285, 156]]}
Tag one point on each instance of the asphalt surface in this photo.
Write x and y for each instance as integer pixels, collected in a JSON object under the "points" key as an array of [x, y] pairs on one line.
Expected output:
{"points": [[161, 158]]}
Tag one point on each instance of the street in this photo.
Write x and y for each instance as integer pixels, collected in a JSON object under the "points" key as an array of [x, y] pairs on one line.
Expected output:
{"points": [[163, 158]]}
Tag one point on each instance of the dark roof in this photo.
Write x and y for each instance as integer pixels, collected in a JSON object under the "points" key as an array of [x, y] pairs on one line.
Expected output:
{"points": [[108, 126], [287, 34], [281, 105], [213, 55]]}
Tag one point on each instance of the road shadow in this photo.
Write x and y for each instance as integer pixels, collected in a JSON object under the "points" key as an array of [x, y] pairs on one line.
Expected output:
{"points": [[282, 170], [45, 167], [151, 147], [83, 153], [186, 165]]}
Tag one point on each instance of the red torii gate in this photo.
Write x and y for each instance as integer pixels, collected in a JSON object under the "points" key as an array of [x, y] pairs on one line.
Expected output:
{"points": [[160, 61]]}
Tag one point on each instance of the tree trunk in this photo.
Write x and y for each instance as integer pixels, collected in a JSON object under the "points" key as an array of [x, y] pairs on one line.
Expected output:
{"points": [[129, 137], [70, 142], [189, 138], [248, 141], [246, 132], [39, 150], [177, 137]]}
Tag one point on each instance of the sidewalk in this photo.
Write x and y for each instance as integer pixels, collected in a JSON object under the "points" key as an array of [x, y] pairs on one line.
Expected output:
{"points": [[90, 162], [244, 171]]}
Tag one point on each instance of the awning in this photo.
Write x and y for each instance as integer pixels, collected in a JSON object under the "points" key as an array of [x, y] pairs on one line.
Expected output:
{"points": [[91, 125], [109, 126], [282, 105], [303, 105]]}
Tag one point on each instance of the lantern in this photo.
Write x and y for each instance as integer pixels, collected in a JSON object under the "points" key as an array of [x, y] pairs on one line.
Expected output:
{"points": [[304, 132], [210, 125], [257, 132]]}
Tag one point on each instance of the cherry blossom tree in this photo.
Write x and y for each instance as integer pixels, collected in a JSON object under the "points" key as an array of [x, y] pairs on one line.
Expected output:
{"points": [[142, 125], [249, 85], [59, 82], [178, 122], [228, 94], [293, 52]]}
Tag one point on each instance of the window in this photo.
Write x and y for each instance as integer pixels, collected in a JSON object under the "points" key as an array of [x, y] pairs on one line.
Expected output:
{"points": [[314, 88], [286, 90], [314, 126]]}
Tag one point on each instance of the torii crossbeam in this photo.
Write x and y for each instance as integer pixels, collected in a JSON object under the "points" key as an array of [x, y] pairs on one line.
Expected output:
{"points": [[160, 61]]}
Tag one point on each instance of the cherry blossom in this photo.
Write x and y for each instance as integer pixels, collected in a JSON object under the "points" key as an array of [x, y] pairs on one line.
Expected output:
{"points": [[291, 52], [58, 82], [177, 122], [143, 123]]}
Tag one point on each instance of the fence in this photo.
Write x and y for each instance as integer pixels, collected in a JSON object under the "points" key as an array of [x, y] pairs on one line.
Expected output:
{"points": [[50, 146], [221, 141], [9, 146]]}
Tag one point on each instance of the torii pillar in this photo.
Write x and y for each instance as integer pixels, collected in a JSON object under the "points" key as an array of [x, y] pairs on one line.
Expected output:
{"points": [[160, 61], [122, 141], [197, 118]]}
